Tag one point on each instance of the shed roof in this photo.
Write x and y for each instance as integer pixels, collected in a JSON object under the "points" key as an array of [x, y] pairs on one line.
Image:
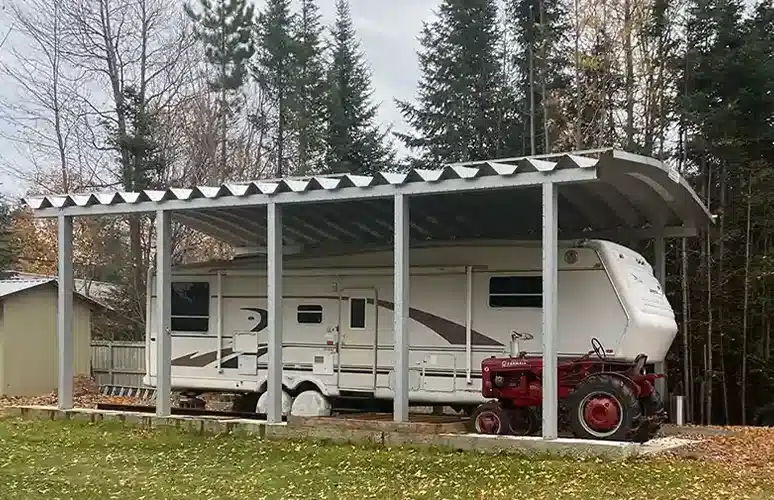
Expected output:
{"points": [[97, 290], [601, 192], [14, 286]]}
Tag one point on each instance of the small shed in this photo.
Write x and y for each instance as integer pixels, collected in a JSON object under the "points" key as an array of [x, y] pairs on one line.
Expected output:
{"points": [[28, 336]]}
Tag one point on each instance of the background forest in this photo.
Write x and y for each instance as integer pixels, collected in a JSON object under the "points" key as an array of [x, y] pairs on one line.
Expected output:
{"points": [[137, 94]]}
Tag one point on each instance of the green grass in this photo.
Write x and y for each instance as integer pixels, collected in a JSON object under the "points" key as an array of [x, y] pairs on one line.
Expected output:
{"points": [[73, 460]]}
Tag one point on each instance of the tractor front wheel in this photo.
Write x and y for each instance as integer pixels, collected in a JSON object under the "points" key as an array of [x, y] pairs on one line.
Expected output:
{"points": [[489, 418], [604, 407]]}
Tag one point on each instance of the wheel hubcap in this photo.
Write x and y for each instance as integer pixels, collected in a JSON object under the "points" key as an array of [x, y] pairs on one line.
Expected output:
{"points": [[600, 414], [488, 422]]}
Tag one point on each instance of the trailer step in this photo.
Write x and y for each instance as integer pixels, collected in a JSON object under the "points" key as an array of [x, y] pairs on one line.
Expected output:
{"points": [[128, 391], [191, 412], [355, 394]]}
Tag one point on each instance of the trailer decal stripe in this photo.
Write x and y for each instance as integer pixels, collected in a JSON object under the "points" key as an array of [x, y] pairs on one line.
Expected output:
{"points": [[202, 360], [452, 332]]}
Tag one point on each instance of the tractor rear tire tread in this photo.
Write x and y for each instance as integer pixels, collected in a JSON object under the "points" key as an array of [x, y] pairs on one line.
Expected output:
{"points": [[616, 387], [652, 405]]}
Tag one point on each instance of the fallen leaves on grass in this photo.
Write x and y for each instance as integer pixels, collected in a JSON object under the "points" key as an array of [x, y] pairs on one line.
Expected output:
{"points": [[107, 460], [742, 447]]}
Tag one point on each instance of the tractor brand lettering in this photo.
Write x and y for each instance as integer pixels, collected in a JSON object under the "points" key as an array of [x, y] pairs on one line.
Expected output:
{"points": [[508, 363]]}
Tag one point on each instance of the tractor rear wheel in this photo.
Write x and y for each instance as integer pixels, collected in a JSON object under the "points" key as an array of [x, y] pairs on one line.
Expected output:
{"points": [[652, 406], [489, 418], [603, 407]]}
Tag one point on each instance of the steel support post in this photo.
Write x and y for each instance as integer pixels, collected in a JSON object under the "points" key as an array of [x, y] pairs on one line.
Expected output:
{"points": [[65, 314], [550, 311], [401, 313], [660, 271], [274, 263], [164, 314]]}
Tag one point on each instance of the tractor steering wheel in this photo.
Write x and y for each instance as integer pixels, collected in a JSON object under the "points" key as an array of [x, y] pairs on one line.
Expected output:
{"points": [[598, 349]]}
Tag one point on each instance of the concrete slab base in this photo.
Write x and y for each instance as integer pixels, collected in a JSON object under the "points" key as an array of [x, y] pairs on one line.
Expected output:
{"points": [[317, 429]]}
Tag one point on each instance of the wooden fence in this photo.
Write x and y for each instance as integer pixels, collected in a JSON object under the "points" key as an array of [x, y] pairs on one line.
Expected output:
{"points": [[118, 363]]}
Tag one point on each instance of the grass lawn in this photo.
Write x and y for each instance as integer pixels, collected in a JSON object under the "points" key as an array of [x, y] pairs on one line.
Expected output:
{"points": [[73, 460]]}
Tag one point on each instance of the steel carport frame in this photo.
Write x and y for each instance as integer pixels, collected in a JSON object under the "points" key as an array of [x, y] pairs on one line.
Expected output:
{"points": [[605, 193]]}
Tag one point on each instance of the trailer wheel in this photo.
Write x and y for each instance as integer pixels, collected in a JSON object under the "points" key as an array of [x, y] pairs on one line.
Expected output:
{"points": [[263, 406], [603, 407], [310, 403], [489, 418]]}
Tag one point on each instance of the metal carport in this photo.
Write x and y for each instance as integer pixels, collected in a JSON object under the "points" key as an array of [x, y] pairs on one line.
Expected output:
{"points": [[604, 193]]}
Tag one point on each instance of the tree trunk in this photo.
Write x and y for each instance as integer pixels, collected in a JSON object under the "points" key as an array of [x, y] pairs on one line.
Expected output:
{"points": [[721, 284], [531, 51], [687, 369], [543, 73], [746, 299], [710, 372], [629, 84], [223, 104], [578, 93]]}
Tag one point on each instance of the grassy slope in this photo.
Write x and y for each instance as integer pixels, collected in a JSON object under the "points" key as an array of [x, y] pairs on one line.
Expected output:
{"points": [[40, 460]]}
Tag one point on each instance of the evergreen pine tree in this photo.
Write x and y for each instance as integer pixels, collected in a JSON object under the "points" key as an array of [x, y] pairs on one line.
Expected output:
{"points": [[355, 144], [537, 27], [465, 110], [225, 29], [275, 72], [309, 100]]}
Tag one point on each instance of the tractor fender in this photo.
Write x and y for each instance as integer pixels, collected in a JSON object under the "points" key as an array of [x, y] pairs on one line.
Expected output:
{"points": [[626, 380]]}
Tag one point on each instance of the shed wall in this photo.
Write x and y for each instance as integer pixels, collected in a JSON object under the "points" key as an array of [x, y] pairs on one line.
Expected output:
{"points": [[30, 364]]}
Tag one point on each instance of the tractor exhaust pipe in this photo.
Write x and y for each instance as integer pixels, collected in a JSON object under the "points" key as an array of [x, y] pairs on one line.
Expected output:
{"points": [[514, 345]]}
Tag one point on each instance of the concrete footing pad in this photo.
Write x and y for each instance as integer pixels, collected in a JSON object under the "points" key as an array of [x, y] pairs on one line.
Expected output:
{"points": [[317, 429]]}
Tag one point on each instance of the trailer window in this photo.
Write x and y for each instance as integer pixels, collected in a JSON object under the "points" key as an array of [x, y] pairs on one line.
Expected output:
{"points": [[190, 307], [309, 314], [516, 291], [357, 313]]}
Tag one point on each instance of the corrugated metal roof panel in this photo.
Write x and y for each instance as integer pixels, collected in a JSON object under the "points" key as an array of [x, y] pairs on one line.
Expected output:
{"points": [[10, 287], [298, 185], [605, 190]]}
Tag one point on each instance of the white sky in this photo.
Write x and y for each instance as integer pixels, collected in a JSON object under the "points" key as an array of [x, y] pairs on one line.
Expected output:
{"points": [[388, 31]]}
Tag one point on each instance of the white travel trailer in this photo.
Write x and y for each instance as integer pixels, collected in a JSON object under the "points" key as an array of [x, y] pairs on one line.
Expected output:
{"points": [[467, 299]]}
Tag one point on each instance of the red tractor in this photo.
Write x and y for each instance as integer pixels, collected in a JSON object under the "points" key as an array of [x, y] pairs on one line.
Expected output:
{"points": [[599, 398]]}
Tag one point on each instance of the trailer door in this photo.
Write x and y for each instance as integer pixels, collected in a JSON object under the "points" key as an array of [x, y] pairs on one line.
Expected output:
{"points": [[358, 340]]}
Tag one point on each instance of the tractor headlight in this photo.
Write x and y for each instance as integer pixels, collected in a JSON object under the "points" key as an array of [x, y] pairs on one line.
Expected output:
{"points": [[499, 381]]}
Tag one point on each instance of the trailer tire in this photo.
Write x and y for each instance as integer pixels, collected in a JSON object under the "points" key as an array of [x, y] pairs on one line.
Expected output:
{"points": [[311, 403], [489, 418], [604, 407], [263, 406]]}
